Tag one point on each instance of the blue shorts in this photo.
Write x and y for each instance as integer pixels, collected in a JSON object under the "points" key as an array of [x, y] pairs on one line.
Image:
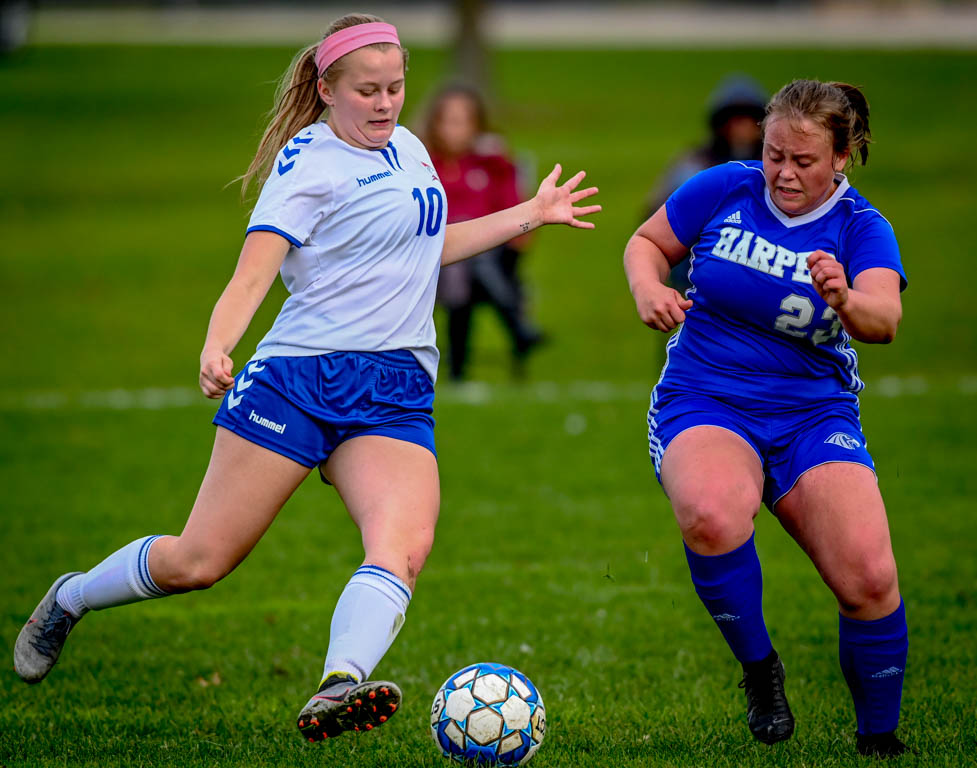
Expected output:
{"points": [[788, 441], [304, 407]]}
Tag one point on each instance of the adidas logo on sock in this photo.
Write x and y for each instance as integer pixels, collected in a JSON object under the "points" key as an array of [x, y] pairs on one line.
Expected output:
{"points": [[725, 617], [733, 218], [890, 672]]}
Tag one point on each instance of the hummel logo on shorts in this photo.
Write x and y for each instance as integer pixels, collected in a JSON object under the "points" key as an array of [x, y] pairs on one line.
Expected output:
{"points": [[843, 441], [261, 421]]}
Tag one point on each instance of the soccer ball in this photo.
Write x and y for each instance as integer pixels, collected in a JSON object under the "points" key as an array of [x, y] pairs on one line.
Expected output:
{"points": [[488, 714]]}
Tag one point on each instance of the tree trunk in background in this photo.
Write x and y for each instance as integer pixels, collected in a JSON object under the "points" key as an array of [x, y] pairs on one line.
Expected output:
{"points": [[470, 52]]}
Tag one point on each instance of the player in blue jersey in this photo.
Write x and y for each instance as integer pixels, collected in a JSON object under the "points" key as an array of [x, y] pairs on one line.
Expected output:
{"points": [[353, 216], [758, 399]]}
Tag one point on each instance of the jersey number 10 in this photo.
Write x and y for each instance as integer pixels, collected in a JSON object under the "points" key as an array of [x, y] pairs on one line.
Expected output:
{"points": [[434, 209]]}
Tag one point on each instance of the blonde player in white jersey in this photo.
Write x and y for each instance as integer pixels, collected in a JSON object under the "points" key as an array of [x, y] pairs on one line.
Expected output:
{"points": [[352, 214]]}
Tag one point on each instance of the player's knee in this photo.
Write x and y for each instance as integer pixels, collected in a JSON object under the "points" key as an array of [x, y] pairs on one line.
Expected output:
{"points": [[416, 554], [714, 522], [872, 583], [403, 555], [190, 571]]}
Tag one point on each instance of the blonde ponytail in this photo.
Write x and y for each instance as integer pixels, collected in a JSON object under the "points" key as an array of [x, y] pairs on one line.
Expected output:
{"points": [[297, 104]]}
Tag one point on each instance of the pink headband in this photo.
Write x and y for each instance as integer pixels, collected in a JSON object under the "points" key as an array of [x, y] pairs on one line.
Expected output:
{"points": [[346, 40]]}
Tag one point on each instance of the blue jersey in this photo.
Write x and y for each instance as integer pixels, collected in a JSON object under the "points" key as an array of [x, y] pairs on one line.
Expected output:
{"points": [[757, 328]]}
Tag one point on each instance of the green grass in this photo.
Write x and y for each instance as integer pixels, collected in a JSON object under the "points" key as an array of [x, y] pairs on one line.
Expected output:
{"points": [[556, 550]]}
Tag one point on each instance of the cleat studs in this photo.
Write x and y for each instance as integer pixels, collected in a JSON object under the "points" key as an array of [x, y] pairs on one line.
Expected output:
{"points": [[301, 723], [349, 709], [374, 709], [385, 691], [358, 702], [369, 726], [373, 694], [356, 728], [383, 718], [311, 739], [393, 707], [313, 722]]}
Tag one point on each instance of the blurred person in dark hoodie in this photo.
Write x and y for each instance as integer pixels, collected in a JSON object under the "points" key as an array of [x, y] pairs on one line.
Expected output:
{"points": [[734, 111]]}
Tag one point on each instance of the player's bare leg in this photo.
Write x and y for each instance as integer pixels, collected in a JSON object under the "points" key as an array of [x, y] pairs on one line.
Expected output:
{"points": [[391, 490], [714, 480], [242, 492], [243, 489], [836, 513]]}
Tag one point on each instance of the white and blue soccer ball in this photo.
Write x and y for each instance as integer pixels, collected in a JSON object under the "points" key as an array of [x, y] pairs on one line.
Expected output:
{"points": [[488, 714]]}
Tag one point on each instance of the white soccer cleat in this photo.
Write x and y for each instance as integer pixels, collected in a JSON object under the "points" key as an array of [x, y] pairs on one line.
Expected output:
{"points": [[40, 641]]}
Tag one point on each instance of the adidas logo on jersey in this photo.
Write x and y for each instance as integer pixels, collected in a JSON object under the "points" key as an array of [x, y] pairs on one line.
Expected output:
{"points": [[733, 218], [890, 672], [843, 441]]}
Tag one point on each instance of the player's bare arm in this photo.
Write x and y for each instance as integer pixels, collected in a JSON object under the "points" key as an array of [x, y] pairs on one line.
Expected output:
{"points": [[552, 205], [261, 258], [648, 256], [871, 309]]}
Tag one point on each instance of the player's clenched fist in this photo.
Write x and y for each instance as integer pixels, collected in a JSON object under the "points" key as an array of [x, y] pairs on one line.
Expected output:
{"points": [[215, 373], [829, 279], [661, 307]]}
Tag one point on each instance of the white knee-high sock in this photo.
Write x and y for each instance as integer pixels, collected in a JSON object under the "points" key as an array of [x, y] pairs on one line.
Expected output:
{"points": [[368, 616], [121, 578]]}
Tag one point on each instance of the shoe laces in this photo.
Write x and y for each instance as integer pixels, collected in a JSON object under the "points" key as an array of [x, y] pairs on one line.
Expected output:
{"points": [[53, 631], [765, 688]]}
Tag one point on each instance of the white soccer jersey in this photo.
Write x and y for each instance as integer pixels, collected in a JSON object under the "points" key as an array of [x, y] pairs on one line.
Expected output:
{"points": [[367, 231]]}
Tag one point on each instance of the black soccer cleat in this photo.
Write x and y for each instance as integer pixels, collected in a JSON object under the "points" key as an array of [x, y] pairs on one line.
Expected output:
{"points": [[342, 704], [767, 711], [880, 745]]}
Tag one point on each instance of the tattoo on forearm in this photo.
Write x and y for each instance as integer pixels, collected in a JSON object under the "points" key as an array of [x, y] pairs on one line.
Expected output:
{"points": [[524, 226]]}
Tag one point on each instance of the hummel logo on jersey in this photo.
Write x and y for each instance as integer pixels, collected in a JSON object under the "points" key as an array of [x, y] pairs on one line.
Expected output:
{"points": [[890, 672], [733, 218], [372, 177], [725, 617], [843, 441]]}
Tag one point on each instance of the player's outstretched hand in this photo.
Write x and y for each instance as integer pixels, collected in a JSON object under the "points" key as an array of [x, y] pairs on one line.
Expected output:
{"points": [[828, 278], [558, 204], [215, 373], [661, 307]]}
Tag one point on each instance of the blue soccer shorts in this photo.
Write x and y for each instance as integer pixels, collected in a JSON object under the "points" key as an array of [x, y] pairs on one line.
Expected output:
{"points": [[304, 407], [788, 440]]}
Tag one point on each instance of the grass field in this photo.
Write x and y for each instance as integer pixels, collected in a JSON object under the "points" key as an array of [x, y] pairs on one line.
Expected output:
{"points": [[556, 551]]}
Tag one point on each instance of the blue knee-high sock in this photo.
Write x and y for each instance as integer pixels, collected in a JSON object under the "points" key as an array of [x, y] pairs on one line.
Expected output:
{"points": [[731, 588], [873, 660]]}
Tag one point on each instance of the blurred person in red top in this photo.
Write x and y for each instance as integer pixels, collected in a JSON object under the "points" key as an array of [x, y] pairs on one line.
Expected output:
{"points": [[478, 179]]}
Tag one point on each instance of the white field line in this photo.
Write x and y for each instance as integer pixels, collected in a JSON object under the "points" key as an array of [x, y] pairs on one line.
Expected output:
{"points": [[470, 393], [667, 25]]}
